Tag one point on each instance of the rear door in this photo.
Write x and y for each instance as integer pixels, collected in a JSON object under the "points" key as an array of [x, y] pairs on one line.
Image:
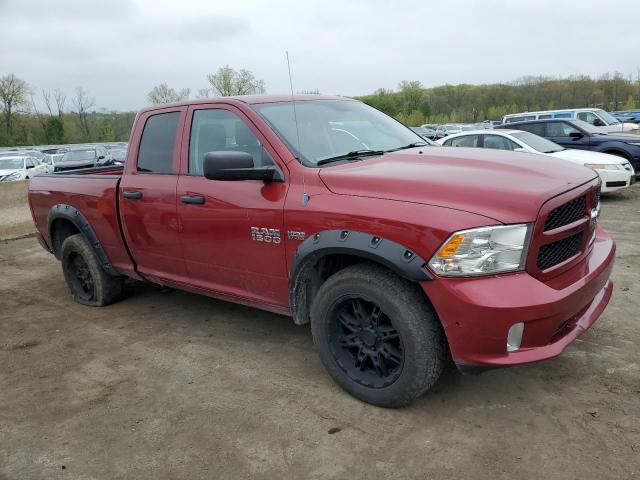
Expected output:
{"points": [[232, 231], [147, 195]]}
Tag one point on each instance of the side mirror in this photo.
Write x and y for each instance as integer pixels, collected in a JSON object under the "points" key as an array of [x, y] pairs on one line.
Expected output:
{"points": [[519, 149], [233, 165], [101, 157], [30, 166], [576, 135], [598, 123]]}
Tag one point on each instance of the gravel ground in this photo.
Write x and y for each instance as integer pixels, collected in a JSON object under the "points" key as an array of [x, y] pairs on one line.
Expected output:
{"points": [[171, 385]]}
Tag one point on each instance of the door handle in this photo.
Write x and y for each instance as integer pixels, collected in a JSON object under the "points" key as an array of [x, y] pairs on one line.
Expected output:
{"points": [[193, 199], [132, 195]]}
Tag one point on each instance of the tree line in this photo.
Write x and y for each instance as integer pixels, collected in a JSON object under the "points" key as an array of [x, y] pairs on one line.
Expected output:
{"points": [[73, 118], [414, 105]]}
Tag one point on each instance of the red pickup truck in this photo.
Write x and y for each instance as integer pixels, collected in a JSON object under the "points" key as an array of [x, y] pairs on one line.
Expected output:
{"points": [[399, 253]]}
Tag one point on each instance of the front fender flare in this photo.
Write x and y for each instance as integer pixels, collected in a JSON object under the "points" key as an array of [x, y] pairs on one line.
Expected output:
{"points": [[395, 256]]}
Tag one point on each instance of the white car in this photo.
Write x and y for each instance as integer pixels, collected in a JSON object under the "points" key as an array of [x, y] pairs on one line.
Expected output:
{"points": [[616, 172], [594, 116], [20, 168]]}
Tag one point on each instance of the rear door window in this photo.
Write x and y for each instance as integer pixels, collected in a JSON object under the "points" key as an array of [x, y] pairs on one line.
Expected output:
{"points": [[560, 129], [535, 128], [498, 142], [156, 145], [464, 141]]}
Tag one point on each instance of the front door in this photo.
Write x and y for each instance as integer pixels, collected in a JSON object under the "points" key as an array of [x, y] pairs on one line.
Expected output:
{"points": [[232, 231], [560, 133], [148, 196]]}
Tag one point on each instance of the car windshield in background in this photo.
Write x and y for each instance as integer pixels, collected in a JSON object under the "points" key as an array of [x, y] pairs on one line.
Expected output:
{"points": [[610, 119], [537, 143], [11, 163], [332, 128], [79, 155], [118, 155]]}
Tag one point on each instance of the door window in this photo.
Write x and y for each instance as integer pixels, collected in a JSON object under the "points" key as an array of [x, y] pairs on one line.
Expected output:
{"points": [[499, 143], [560, 129], [535, 128], [588, 117], [464, 141], [222, 130], [156, 145]]}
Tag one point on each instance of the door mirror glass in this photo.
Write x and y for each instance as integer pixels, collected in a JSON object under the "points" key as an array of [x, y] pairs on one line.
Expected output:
{"points": [[236, 165], [576, 134]]}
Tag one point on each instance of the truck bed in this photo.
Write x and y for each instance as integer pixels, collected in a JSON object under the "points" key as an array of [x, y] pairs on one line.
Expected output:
{"points": [[92, 191]]}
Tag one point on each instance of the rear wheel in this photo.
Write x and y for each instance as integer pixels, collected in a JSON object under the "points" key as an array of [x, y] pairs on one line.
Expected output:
{"points": [[377, 335], [88, 283]]}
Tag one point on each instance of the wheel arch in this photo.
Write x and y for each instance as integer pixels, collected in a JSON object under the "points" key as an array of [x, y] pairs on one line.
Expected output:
{"points": [[330, 251], [64, 220]]}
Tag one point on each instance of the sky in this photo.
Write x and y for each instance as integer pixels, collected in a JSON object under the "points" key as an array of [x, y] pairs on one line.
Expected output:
{"points": [[119, 50]]}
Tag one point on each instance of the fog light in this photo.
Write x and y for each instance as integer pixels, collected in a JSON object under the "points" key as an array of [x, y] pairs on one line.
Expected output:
{"points": [[514, 337]]}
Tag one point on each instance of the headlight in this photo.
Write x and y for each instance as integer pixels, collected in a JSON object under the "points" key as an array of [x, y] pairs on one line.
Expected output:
{"points": [[483, 251], [604, 166], [12, 176]]}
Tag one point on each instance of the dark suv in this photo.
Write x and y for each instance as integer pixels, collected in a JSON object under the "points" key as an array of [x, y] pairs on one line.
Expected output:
{"points": [[578, 134]]}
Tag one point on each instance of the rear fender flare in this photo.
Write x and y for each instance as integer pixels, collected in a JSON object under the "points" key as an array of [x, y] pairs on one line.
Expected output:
{"points": [[73, 215]]}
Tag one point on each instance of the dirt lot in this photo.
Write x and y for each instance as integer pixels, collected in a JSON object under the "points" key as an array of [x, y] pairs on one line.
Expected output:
{"points": [[171, 385]]}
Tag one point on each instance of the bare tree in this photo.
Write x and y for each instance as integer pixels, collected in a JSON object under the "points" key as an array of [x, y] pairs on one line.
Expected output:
{"points": [[13, 95], [46, 94], [230, 82], [203, 93], [163, 93], [82, 103], [61, 98]]}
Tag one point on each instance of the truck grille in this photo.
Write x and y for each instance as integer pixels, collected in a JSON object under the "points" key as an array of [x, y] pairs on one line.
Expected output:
{"points": [[566, 213], [557, 252]]}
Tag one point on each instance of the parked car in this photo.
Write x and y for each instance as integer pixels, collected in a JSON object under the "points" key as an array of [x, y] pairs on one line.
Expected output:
{"points": [[627, 116], [19, 167], [594, 116], [583, 136], [83, 157], [398, 254], [425, 132], [615, 172], [447, 129], [118, 155]]}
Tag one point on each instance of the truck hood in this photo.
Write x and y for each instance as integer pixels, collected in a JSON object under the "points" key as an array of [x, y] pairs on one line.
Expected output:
{"points": [[7, 172], [505, 186]]}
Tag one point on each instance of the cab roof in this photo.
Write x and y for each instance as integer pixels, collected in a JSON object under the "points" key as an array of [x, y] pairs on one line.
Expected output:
{"points": [[249, 100]]}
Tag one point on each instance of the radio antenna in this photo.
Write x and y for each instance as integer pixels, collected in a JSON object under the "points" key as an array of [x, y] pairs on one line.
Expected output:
{"points": [[305, 197]]}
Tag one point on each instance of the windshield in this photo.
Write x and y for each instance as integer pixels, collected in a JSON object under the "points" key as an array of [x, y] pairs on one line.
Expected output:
{"points": [[330, 128], [587, 127], [607, 117], [79, 155], [539, 144], [11, 163]]}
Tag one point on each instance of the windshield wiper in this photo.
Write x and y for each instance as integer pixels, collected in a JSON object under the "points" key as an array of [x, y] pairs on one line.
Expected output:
{"points": [[351, 155], [411, 145]]}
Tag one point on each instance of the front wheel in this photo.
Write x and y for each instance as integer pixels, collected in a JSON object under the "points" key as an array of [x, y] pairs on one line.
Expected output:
{"points": [[88, 283], [377, 336]]}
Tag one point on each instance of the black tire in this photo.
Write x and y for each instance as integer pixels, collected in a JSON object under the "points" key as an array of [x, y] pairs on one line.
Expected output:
{"points": [[372, 370], [88, 283]]}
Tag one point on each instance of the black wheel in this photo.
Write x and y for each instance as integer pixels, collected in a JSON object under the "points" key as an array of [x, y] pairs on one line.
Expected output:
{"points": [[377, 335], [88, 283]]}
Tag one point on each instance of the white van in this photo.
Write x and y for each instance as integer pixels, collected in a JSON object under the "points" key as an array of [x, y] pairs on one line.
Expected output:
{"points": [[595, 116]]}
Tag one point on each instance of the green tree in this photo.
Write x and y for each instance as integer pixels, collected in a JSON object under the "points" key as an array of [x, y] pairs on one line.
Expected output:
{"points": [[54, 130], [414, 119], [630, 104], [227, 82], [105, 130]]}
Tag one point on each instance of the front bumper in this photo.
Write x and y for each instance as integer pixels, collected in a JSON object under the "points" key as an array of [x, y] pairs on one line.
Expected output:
{"points": [[615, 180], [476, 313]]}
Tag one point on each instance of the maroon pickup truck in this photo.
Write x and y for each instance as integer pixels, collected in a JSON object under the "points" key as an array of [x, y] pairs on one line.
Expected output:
{"points": [[399, 253]]}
